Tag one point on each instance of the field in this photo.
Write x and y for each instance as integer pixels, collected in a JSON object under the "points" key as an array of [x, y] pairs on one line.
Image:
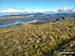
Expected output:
{"points": [[38, 40]]}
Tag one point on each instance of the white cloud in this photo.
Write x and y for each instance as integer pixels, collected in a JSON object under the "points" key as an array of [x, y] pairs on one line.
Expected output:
{"points": [[10, 10], [34, 11], [30, 11], [64, 9], [54, 10], [73, 10]]}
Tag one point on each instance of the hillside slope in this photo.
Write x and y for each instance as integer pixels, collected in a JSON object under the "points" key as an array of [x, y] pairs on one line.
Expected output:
{"points": [[38, 40]]}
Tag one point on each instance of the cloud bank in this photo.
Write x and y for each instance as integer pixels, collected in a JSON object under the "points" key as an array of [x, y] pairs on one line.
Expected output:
{"points": [[65, 9], [10, 10]]}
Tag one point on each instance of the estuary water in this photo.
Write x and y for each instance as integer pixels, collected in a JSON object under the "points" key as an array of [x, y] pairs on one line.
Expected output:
{"points": [[19, 22]]}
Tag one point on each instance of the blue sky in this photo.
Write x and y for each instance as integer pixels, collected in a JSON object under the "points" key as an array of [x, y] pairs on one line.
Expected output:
{"points": [[36, 4]]}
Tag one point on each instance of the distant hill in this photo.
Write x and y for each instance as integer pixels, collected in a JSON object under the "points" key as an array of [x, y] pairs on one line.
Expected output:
{"points": [[54, 20], [41, 17]]}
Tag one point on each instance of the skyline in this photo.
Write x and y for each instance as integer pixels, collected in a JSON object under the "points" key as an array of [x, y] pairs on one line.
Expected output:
{"points": [[61, 10], [36, 5]]}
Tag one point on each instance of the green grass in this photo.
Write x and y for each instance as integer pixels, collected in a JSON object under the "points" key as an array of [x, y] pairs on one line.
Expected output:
{"points": [[38, 40]]}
